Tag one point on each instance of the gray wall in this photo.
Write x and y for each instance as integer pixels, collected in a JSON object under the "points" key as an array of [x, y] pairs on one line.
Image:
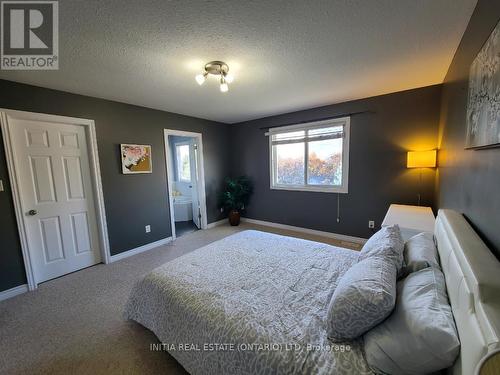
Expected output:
{"points": [[469, 181], [11, 261], [378, 176], [131, 201]]}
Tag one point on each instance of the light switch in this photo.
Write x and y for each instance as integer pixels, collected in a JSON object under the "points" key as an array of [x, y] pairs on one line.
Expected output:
{"points": [[1, 185]]}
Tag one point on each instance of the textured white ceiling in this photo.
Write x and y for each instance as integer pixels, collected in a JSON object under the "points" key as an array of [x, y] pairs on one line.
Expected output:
{"points": [[285, 55]]}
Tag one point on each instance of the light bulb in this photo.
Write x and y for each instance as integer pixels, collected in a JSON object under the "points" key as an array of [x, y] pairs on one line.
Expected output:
{"points": [[224, 87], [200, 78], [229, 78]]}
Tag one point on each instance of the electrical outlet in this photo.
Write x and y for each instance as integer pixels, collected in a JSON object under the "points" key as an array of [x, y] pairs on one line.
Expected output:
{"points": [[148, 228], [371, 224], [222, 209]]}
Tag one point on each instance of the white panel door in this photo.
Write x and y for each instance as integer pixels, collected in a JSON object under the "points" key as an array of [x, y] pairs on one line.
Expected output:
{"points": [[193, 156], [52, 164]]}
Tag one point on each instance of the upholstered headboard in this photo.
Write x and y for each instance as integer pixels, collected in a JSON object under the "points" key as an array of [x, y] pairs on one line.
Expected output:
{"points": [[473, 282]]}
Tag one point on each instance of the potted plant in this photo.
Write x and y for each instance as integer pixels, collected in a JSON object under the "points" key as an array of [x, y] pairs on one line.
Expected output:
{"points": [[235, 197]]}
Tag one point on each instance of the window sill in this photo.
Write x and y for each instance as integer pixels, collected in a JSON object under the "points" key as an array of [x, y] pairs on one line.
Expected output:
{"points": [[317, 189]]}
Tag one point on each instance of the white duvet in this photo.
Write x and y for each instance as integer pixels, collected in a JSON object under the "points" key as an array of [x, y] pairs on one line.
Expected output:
{"points": [[251, 303]]}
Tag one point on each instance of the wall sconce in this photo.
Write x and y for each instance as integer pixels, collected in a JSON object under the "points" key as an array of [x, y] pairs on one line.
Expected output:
{"points": [[421, 159]]}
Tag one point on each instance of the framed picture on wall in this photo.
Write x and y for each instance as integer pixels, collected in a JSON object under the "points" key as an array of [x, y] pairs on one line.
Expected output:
{"points": [[136, 158], [483, 106]]}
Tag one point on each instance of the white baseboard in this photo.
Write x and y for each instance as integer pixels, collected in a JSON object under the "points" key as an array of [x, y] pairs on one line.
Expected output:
{"points": [[341, 237], [12, 292], [216, 223], [140, 249]]}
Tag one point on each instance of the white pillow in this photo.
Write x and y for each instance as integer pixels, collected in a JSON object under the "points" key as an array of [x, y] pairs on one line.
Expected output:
{"points": [[420, 252], [388, 243], [420, 336], [364, 296]]}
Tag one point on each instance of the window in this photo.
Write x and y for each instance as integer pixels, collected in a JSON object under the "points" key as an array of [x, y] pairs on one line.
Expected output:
{"points": [[310, 157], [183, 162]]}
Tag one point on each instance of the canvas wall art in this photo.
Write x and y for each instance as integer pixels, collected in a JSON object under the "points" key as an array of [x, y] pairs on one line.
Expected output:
{"points": [[483, 107], [136, 158]]}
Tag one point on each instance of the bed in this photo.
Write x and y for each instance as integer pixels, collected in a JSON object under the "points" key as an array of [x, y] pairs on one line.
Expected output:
{"points": [[256, 302]]}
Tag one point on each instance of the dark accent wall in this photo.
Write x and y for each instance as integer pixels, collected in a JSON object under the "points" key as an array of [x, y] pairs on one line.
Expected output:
{"points": [[131, 201], [399, 122], [11, 260], [468, 180]]}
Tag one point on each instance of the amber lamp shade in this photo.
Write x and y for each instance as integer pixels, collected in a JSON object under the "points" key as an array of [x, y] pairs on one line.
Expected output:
{"points": [[421, 159]]}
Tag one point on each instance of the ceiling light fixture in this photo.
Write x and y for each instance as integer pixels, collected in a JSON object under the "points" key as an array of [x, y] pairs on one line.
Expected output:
{"points": [[216, 68]]}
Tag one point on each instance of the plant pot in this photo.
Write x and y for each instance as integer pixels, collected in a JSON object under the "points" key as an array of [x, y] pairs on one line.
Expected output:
{"points": [[234, 218]]}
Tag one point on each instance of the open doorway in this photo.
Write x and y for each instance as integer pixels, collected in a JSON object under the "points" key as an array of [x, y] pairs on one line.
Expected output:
{"points": [[186, 187]]}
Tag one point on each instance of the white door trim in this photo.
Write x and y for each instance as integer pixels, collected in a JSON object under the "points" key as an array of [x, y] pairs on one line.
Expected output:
{"points": [[201, 176], [14, 181]]}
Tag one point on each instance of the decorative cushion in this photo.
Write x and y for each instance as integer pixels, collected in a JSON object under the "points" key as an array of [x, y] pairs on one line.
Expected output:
{"points": [[420, 252], [364, 296], [420, 336], [388, 243]]}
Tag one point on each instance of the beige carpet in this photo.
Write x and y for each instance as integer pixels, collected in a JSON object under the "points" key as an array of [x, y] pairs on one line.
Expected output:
{"points": [[74, 325]]}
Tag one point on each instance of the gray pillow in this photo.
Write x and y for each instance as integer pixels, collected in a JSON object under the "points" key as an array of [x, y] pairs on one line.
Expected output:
{"points": [[364, 296], [420, 336], [413, 267], [388, 243], [420, 252]]}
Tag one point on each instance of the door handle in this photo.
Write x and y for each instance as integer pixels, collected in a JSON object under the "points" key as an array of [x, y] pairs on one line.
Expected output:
{"points": [[32, 212]]}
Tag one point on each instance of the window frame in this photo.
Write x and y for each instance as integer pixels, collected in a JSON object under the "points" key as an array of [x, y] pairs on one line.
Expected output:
{"points": [[343, 188], [179, 179]]}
